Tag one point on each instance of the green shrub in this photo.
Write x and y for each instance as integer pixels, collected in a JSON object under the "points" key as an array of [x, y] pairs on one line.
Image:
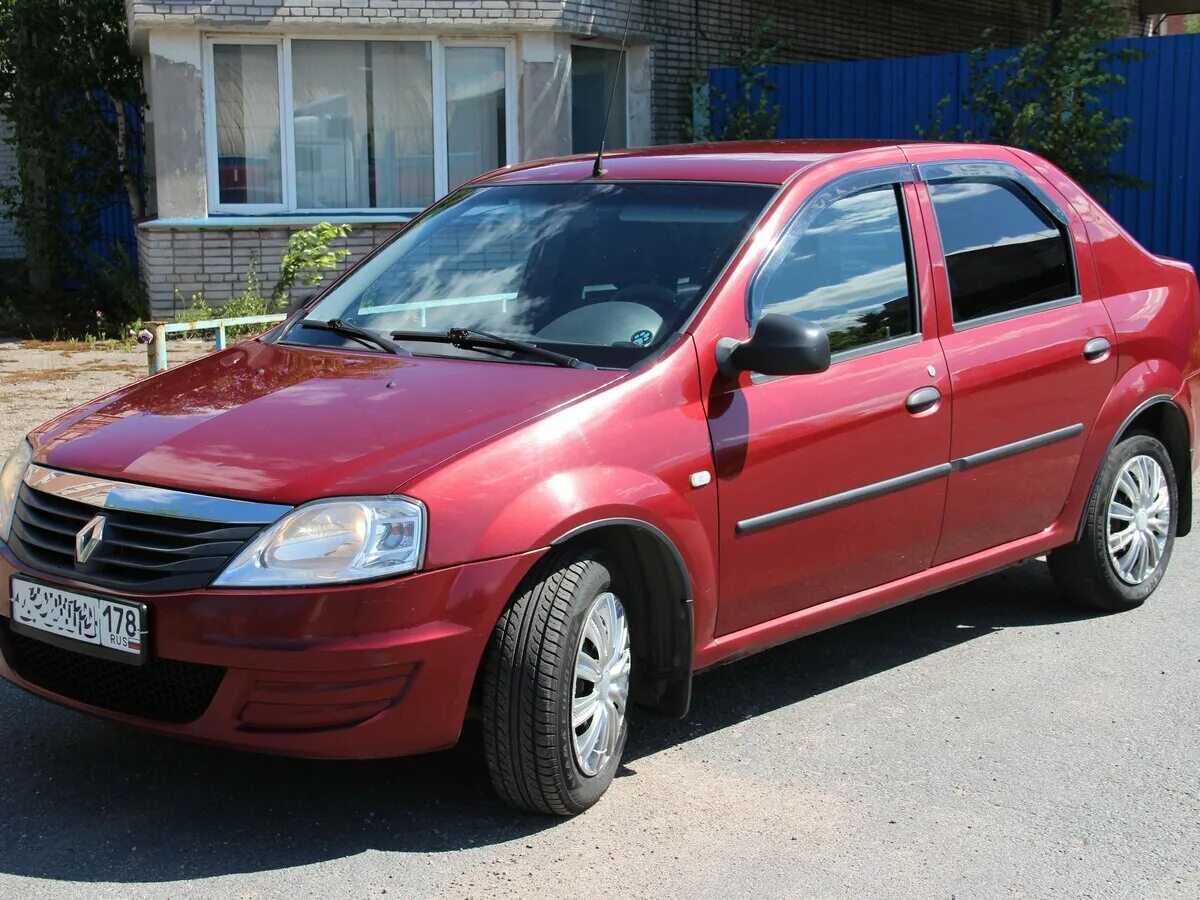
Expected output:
{"points": [[307, 258], [104, 308], [250, 302], [197, 309], [1049, 96], [752, 111], [118, 295]]}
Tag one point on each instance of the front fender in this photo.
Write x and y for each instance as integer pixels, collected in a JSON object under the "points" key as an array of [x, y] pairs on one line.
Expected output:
{"points": [[568, 502], [627, 451]]}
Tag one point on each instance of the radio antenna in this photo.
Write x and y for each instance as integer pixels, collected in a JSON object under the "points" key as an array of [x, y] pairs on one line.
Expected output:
{"points": [[598, 168]]}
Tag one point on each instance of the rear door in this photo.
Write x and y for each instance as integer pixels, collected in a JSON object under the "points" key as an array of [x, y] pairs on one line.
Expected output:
{"points": [[1028, 343], [835, 482]]}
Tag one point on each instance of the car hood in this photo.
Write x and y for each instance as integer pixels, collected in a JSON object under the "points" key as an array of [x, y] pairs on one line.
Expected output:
{"points": [[287, 424]]}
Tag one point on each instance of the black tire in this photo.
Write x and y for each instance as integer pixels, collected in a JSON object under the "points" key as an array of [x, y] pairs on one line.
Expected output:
{"points": [[1083, 571], [529, 685]]}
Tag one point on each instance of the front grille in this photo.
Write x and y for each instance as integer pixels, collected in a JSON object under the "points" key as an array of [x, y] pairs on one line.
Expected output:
{"points": [[164, 690], [140, 552]]}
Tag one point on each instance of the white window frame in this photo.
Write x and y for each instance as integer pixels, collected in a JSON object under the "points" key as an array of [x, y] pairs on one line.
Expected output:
{"points": [[283, 44], [210, 129], [441, 169], [615, 48]]}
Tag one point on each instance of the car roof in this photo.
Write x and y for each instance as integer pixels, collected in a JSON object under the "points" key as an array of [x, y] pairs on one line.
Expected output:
{"points": [[752, 162]]}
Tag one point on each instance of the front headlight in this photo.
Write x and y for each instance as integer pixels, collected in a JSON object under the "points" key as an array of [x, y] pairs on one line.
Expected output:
{"points": [[10, 483], [333, 541]]}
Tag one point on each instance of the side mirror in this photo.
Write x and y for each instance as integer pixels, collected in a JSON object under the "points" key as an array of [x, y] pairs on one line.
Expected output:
{"points": [[780, 345]]}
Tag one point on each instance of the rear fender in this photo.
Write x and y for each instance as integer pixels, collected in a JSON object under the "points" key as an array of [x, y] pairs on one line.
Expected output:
{"points": [[1142, 386]]}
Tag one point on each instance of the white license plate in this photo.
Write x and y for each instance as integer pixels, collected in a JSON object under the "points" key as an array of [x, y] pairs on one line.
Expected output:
{"points": [[113, 629]]}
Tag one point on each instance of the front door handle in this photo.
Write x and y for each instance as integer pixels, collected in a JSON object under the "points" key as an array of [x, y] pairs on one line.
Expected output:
{"points": [[922, 399], [1096, 349]]}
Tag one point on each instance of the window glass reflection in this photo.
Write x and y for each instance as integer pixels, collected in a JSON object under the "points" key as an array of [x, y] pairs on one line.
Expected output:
{"points": [[846, 270], [1003, 250]]}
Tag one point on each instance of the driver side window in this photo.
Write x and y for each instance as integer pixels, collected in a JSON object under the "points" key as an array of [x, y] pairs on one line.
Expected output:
{"points": [[845, 266]]}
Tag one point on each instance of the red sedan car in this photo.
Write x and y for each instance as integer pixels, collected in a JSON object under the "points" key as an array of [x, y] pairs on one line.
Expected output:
{"points": [[567, 439]]}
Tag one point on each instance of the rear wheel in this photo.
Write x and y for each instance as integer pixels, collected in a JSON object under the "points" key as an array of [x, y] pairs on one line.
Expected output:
{"points": [[1128, 532], [556, 686]]}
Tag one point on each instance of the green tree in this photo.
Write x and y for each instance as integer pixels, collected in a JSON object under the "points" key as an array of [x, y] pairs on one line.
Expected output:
{"points": [[751, 111], [1049, 96], [66, 75]]}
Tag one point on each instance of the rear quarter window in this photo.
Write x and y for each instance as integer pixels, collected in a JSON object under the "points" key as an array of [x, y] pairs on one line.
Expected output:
{"points": [[1004, 251]]}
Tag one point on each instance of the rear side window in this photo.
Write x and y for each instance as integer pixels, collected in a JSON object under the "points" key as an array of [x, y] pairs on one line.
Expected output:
{"points": [[1004, 251], [846, 268]]}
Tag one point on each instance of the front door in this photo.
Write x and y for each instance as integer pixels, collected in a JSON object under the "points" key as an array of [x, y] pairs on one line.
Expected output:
{"points": [[835, 482]]}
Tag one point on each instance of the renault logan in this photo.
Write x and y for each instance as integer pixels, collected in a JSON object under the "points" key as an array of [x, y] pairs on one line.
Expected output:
{"points": [[569, 438]]}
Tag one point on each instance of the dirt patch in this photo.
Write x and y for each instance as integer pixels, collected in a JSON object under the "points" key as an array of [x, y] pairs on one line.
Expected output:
{"points": [[71, 346], [42, 376], [40, 379]]}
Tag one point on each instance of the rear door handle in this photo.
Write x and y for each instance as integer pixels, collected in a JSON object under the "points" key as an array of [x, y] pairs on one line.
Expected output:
{"points": [[1096, 348], [922, 399]]}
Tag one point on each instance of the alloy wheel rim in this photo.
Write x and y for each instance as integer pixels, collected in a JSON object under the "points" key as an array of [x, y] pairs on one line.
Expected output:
{"points": [[1139, 519], [601, 684]]}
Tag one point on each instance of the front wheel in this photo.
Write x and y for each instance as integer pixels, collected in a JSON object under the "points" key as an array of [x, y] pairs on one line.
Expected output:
{"points": [[556, 687], [1128, 532]]}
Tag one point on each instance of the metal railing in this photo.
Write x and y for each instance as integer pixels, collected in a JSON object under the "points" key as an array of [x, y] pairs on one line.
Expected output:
{"points": [[156, 349]]}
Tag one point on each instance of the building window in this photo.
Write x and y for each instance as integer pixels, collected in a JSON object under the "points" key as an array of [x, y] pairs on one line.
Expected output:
{"points": [[593, 72], [475, 111], [353, 125], [249, 152], [362, 114]]}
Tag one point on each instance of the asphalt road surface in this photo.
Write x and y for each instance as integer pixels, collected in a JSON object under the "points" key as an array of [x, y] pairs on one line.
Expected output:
{"points": [[984, 742]]}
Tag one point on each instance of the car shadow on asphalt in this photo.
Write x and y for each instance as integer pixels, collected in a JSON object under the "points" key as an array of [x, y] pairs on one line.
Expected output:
{"points": [[1020, 596], [84, 800]]}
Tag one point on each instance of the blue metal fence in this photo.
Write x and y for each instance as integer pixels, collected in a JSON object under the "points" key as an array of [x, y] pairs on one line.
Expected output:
{"points": [[887, 98], [114, 231]]}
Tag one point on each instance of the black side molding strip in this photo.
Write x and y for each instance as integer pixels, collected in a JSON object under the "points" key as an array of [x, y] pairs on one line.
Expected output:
{"points": [[836, 501], [1023, 446], [900, 482]]}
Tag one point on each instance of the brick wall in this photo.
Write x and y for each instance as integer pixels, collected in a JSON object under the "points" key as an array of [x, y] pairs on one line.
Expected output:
{"points": [[178, 262], [11, 246], [150, 14]]}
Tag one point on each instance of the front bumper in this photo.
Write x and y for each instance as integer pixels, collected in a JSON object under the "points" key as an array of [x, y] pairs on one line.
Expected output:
{"points": [[357, 671]]}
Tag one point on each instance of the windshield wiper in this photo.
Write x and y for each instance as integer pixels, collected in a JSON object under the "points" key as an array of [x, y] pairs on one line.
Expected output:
{"points": [[470, 339], [350, 330]]}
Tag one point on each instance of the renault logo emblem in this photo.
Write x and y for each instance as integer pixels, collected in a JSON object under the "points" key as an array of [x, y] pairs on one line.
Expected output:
{"points": [[88, 539]]}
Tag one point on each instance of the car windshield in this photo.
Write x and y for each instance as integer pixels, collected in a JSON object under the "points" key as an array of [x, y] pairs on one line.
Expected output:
{"points": [[601, 272]]}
